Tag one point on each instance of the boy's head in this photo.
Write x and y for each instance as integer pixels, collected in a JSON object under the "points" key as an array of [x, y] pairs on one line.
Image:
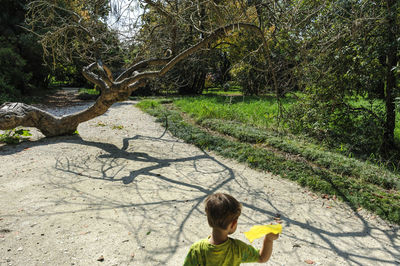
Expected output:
{"points": [[222, 209]]}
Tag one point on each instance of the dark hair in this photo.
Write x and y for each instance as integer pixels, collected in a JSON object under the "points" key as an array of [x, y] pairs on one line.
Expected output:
{"points": [[222, 209]]}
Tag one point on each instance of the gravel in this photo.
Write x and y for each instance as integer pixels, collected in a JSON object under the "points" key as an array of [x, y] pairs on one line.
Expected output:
{"points": [[122, 193]]}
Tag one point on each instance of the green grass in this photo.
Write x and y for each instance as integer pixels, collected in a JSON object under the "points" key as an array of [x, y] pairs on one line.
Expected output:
{"points": [[318, 155], [233, 90], [119, 127], [252, 119], [368, 190], [254, 111], [89, 91], [88, 94]]}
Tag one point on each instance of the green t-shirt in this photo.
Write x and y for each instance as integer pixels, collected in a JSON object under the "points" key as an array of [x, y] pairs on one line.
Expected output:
{"points": [[230, 253]]}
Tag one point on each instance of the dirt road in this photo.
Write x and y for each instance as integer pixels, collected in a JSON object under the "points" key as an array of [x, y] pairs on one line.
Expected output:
{"points": [[125, 193]]}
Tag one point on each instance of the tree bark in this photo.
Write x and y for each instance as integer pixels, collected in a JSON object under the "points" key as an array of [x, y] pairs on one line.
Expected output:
{"points": [[111, 91]]}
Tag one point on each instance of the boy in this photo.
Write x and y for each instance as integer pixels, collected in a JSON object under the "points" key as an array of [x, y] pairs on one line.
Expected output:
{"points": [[223, 212]]}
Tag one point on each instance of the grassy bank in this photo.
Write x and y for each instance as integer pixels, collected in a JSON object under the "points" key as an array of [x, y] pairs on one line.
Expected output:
{"points": [[262, 112], [254, 111], [355, 182]]}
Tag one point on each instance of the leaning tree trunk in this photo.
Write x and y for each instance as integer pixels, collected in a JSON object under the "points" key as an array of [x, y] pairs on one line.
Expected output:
{"points": [[111, 90]]}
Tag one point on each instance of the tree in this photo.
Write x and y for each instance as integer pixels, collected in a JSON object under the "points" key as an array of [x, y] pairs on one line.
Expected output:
{"points": [[80, 30], [165, 28], [392, 36], [351, 54], [18, 47], [284, 23], [176, 25]]}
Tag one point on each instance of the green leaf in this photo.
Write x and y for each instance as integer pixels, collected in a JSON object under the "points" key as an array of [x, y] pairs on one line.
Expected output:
{"points": [[26, 133]]}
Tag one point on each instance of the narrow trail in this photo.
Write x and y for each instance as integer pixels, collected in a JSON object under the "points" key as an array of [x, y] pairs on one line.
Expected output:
{"points": [[63, 97], [119, 194]]}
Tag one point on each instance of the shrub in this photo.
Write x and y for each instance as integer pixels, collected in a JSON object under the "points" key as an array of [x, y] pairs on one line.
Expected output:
{"points": [[252, 81], [13, 80], [353, 130], [15, 136]]}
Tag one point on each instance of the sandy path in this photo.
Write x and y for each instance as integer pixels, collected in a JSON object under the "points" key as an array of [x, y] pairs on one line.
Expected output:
{"points": [[125, 191]]}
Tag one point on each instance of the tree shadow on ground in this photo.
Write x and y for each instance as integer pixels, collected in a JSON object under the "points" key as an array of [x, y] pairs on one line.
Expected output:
{"points": [[151, 178]]}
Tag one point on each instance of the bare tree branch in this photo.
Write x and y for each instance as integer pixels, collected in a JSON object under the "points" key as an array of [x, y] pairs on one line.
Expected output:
{"points": [[221, 32], [17, 114]]}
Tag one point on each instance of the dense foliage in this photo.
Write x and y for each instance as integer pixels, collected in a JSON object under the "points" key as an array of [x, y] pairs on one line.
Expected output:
{"points": [[338, 54], [169, 27], [352, 54], [26, 27], [21, 63]]}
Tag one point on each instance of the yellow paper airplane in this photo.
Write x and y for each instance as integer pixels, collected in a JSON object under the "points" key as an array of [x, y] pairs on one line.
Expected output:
{"points": [[258, 231]]}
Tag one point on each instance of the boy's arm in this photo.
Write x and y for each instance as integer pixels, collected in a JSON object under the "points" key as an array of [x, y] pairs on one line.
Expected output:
{"points": [[266, 250]]}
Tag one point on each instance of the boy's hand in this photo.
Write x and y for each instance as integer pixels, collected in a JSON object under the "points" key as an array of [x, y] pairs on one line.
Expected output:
{"points": [[272, 236], [266, 250]]}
